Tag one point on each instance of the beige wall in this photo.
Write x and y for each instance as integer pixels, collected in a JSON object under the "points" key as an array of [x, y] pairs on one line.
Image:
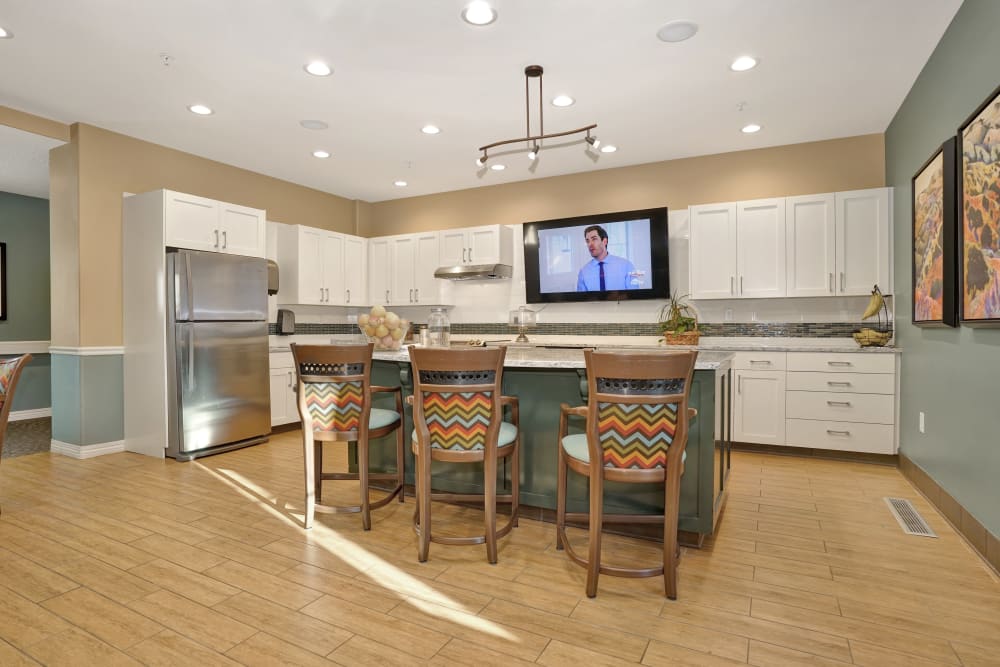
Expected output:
{"points": [[822, 166], [64, 235], [111, 163], [34, 124]]}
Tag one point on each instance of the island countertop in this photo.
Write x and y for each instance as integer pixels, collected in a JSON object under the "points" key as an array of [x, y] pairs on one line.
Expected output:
{"points": [[548, 357]]}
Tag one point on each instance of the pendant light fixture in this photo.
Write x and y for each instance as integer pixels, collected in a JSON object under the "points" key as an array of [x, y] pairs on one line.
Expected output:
{"points": [[533, 142]]}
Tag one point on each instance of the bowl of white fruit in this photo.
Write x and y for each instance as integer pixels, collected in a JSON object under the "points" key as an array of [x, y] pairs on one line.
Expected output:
{"points": [[384, 328]]}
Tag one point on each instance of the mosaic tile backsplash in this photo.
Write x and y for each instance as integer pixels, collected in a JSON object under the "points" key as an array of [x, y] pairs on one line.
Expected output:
{"points": [[727, 329]]}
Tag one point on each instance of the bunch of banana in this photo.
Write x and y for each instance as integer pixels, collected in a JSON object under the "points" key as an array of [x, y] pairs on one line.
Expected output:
{"points": [[874, 304]]}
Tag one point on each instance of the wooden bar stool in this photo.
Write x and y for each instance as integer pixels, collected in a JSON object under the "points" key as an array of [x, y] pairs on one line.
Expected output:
{"points": [[10, 373], [458, 417], [636, 431], [335, 403]]}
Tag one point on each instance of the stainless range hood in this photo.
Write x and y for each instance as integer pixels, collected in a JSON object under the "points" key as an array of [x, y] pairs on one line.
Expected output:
{"points": [[475, 272]]}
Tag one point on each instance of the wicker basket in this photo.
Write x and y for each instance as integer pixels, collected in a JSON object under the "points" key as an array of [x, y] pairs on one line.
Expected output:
{"points": [[686, 338], [871, 338]]}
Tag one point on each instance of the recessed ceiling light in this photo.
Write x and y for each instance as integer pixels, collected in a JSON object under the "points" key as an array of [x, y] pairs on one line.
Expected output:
{"points": [[200, 109], [677, 31], [318, 68], [608, 148], [498, 167], [313, 124], [400, 184], [430, 129], [743, 63], [479, 12], [751, 128], [322, 155], [562, 101], [5, 34]]}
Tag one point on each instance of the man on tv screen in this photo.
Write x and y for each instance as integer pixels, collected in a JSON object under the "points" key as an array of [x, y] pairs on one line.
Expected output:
{"points": [[603, 272]]}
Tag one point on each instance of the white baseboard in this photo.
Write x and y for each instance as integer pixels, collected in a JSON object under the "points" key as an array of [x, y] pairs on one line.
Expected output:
{"points": [[87, 451], [21, 415]]}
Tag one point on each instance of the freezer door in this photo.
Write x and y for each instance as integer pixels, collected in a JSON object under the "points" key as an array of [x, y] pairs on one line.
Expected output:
{"points": [[223, 385], [209, 286]]}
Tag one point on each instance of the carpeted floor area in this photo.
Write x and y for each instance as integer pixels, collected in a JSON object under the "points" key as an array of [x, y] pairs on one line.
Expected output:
{"points": [[29, 436]]}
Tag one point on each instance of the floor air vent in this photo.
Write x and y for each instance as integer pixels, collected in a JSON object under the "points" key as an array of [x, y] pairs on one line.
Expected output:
{"points": [[909, 519]]}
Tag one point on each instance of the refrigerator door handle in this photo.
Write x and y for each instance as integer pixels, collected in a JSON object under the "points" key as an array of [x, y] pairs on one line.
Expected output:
{"points": [[190, 368], [183, 298]]}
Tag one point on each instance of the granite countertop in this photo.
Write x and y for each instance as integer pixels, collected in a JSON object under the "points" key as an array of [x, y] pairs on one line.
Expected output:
{"points": [[538, 357]]}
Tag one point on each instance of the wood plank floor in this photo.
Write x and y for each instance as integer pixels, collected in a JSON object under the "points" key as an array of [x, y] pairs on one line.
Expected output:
{"points": [[123, 559]]}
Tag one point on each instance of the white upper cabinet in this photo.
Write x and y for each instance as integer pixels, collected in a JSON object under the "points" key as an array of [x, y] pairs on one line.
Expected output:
{"points": [[713, 251], [489, 244], [320, 267], [810, 244], [864, 238], [197, 223], [835, 244], [402, 270], [760, 248]]}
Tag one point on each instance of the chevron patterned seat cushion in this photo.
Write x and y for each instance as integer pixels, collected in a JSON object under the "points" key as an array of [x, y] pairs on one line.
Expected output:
{"points": [[459, 420], [575, 446]]}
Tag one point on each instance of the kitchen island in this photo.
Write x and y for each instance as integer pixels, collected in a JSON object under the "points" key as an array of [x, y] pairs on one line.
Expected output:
{"points": [[542, 378]]}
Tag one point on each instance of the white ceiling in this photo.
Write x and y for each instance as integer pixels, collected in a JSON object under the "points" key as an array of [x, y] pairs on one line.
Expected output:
{"points": [[828, 68], [24, 162]]}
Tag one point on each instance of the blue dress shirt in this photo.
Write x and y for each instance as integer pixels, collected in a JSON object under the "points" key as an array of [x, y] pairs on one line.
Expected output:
{"points": [[617, 275]]}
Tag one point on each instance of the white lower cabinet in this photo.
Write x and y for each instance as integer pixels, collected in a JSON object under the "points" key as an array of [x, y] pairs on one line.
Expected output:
{"points": [[284, 408], [839, 401]]}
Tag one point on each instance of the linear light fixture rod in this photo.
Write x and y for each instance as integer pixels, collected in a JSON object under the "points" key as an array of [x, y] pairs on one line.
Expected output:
{"points": [[537, 137]]}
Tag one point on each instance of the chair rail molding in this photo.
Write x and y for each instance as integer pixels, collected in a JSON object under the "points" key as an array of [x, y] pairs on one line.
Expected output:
{"points": [[24, 346]]}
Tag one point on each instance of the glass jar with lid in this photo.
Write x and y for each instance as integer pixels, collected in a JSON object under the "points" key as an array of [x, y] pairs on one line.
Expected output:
{"points": [[438, 328]]}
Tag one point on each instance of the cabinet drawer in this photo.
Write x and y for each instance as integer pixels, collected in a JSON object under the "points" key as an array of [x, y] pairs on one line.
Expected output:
{"points": [[282, 360], [759, 361], [834, 406], [841, 362], [860, 383], [843, 436]]}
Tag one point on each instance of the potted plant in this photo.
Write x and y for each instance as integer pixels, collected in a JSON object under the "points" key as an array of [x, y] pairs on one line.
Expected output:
{"points": [[678, 322]]}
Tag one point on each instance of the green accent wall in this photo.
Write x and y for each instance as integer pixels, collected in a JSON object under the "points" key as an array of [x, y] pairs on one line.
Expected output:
{"points": [[24, 227], [90, 393], [952, 375]]}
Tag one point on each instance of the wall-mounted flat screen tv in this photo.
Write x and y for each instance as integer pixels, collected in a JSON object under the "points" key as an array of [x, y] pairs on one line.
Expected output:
{"points": [[606, 257]]}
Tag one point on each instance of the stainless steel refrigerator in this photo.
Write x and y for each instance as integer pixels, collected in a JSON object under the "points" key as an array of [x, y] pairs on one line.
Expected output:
{"points": [[218, 395]]}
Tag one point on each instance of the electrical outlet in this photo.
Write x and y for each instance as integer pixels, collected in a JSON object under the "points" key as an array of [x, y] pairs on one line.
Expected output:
{"points": [[922, 423], [729, 314]]}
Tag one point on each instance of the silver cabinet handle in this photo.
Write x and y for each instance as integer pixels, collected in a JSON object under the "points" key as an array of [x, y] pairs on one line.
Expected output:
{"points": [[760, 361], [831, 282], [470, 255], [387, 296], [845, 404], [411, 295], [739, 384], [416, 295], [832, 432], [732, 290], [321, 295], [838, 363], [216, 238], [289, 378], [348, 296], [463, 255], [741, 285], [838, 384], [842, 288], [225, 239]]}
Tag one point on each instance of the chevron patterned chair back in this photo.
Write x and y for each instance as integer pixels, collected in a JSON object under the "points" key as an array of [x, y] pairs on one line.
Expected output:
{"points": [[458, 416], [636, 429], [10, 373], [335, 405]]}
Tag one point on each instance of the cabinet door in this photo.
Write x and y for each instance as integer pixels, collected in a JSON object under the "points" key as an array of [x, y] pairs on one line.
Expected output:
{"points": [[427, 287], [454, 249], [333, 268], [310, 265], [404, 255], [191, 222], [355, 270], [810, 245], [864, 238], [281, 382], [484, 245], [243, 230], [760, 243], [713, 251], [379, 271], [759, 407]]}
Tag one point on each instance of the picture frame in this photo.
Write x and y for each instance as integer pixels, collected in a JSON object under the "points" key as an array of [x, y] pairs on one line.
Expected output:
{"points": [[933, 233], [979, 214], [3, 281]]}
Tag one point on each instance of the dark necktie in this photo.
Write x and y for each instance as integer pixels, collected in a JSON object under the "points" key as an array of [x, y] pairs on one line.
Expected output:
{"points": [[601, 264]]}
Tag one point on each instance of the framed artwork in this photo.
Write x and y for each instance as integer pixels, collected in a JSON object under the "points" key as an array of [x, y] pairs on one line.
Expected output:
{"points": [[935, 288], [979, 201], [3, 281]]}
